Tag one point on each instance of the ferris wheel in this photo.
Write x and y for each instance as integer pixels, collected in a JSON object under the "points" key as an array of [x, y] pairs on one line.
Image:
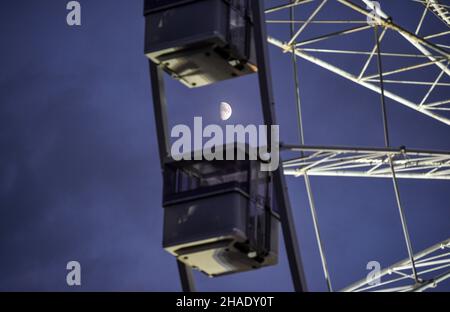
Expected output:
{"points": [[234, 43], [415, 50]]}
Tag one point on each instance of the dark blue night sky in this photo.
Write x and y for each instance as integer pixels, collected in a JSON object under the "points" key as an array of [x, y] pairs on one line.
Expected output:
{"points": [[79, 168]]}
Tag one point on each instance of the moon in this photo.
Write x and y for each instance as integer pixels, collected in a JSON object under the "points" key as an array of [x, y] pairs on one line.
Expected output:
{"points": [[225, 111]]}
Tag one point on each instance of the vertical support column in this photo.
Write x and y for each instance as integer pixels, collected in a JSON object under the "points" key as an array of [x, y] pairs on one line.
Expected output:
{"points": [[317, 232], [162, 131], [282, 197], [391, 162], [160, 111], [301, 132], [186, 277]]}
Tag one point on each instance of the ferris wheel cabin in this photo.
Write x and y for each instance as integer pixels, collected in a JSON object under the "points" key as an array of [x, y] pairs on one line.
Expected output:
{"points": [[200, 42], [218, 214]]}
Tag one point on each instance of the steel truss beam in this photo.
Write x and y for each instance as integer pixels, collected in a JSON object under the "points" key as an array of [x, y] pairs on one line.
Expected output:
{"points": [[367, 163], [439, 9], [433, 261], [436, 55], [375, 162]]}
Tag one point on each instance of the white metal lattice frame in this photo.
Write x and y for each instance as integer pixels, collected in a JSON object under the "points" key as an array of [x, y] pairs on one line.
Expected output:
{"points": [[425, 269], [368, 163], [434, 261], [428, 53]]}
